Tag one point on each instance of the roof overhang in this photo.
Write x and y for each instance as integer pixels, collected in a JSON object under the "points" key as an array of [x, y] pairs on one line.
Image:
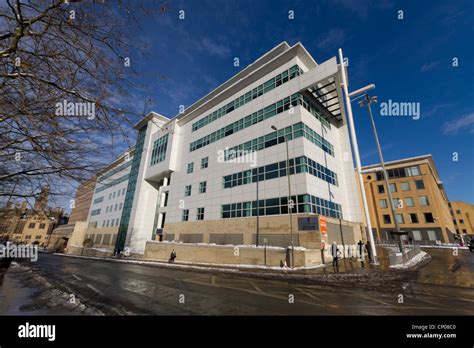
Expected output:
{"points": [[151, 116]]}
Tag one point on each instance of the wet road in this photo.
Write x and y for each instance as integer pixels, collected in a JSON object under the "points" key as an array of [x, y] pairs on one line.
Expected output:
{"points": [[444, 286]]}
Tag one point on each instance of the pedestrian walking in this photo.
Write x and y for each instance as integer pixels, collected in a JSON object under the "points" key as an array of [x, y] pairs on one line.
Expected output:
{"points": [[335, 255], [172, 256], [361, 250], [369, 251]]}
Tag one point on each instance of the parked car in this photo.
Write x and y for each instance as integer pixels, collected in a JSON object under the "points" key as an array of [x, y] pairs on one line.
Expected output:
{"points": [[471, 245]]}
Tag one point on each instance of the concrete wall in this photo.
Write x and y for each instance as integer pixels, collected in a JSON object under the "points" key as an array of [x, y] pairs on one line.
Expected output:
{"points": [[228, 254], [274, 228]]}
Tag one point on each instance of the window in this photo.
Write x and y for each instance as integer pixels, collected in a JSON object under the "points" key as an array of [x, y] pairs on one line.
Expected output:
{"points": [[424, 200], [110, 195], [413, 218], [95, 212], [41, 226], [123, 191], [279, 205], [113, 195], [386, 219], [464, 231], [274, 82], [158, 153], [397, 203], [202, 187], [28, 236], [187, 190], [409, 202], [431, 235], [115, 207], [200, 213], [300, 164], [190, 167], [458, 211], [120, 206], [419, 184], [381, 188], [31, 225], [383, 203], [461, 221], [429, 217], [38, 237], [405, 185], [413, 171], [393, 187], [400, 219], [185, 216], [416, 235], [204, 162]]}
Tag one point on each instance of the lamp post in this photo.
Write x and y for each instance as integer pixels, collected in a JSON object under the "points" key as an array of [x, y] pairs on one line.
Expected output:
{"points": [[258, 212], [290, 202], [355, 148], [368, 101]]}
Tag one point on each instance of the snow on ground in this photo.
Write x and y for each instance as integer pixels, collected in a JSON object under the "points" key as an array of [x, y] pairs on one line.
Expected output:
{"points": [[410, 263]]}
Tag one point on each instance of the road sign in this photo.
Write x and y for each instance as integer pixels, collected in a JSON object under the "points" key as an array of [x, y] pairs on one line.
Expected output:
{"points": [[322, 225]]}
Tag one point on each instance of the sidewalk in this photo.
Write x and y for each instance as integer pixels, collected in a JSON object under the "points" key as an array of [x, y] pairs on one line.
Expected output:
{"points": [[351, 271]]}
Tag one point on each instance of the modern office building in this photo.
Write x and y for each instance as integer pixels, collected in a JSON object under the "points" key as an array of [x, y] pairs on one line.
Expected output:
{"points": [[197, 177], [418, 196], [107, 200], [462, 214]]}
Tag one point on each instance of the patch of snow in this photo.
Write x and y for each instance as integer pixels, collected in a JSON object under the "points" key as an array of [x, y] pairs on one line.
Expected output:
{"points": [[412, 262]]}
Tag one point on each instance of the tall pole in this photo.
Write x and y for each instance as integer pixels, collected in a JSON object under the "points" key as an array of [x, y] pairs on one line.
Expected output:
{"points": [[290, 206], [258, 211], [342, 239], [355, 148], [385, 176]]}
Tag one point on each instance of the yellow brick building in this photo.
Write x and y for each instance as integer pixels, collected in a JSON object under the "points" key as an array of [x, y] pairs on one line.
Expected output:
{"points": [[419, 199], [463, 217]]}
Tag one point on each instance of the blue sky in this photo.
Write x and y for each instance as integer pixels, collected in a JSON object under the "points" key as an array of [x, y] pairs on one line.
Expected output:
{"points": [[410, 60]]}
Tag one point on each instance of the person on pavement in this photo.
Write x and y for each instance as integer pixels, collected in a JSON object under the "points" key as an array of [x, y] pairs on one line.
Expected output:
{"points": [[369, 251], [335, 256], [361, 250], [172, 256]]}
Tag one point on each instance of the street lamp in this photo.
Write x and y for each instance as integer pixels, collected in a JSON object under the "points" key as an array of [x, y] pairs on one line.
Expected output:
{"points": [[258, 212], [368, 101], [355, 148], [290, 202]]}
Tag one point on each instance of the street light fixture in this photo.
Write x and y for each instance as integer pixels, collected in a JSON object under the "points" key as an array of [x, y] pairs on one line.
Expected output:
{"points": [[368, 101], [291, 204]]}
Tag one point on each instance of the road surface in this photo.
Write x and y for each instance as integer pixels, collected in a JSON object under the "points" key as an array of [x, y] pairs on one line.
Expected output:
{"points": [[444, 286]]}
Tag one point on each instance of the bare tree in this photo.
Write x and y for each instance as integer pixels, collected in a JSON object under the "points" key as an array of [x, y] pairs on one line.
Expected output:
{"points": [[63, 73]]}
